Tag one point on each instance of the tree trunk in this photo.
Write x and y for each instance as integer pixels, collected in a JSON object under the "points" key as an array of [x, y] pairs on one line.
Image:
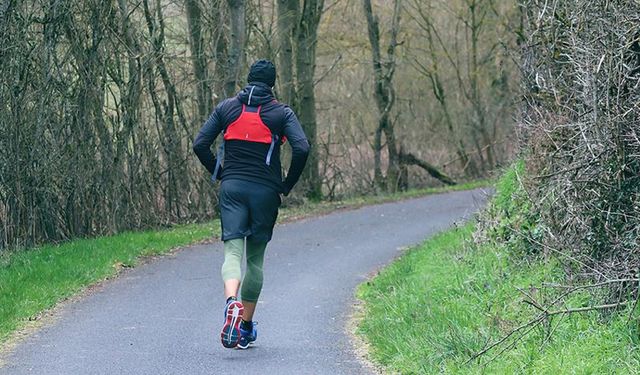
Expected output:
{"points": [[198, 58], [479, 118], [305, 102], [131, 104], [287, 16], [171, 107], [384, 95], [378, 179], [298, 34], [236, 45], [216, 16]]}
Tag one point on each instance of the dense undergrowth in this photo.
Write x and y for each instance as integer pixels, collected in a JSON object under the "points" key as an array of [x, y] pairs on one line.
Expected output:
{"points": [[462, 291], [509, 221], [580, 137]]}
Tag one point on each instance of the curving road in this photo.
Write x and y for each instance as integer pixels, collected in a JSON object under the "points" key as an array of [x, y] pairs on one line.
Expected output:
{"points": [[164, 317]]}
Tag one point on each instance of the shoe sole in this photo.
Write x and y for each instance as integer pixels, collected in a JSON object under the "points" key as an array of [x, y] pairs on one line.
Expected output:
{"points": [[245, 347], [230, 335]]}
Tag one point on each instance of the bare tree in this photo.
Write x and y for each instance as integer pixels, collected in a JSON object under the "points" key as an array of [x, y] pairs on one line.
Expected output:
{"points": [[287, 16], [236, 45], [198, 58], [298, 29], [307, 38], [168, 109], [478, 10], [471, 56], [384, 94], [421, 12]]}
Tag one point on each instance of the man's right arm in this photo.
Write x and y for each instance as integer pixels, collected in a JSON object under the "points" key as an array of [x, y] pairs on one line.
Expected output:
{"points": [[207, 135]]}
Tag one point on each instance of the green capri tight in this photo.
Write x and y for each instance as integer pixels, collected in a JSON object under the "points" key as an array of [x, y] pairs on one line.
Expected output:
{"points": [[232, 266]]}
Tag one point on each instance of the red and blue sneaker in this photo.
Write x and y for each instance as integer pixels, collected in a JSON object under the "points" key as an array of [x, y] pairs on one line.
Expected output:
{"points": [[248, 334], [230, 335]]}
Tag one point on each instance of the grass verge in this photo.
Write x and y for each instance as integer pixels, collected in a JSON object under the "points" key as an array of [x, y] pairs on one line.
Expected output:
{"points": [[35, 280], [429, 311], [32, 281]]}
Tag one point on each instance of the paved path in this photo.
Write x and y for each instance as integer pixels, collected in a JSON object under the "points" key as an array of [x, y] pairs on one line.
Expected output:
{"points": [[164, 317]]}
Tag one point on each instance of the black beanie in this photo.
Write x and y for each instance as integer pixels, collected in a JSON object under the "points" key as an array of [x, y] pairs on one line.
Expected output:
{"points": [[262, 71]]}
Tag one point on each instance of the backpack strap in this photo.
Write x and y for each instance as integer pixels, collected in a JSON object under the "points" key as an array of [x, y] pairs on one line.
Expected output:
{"points": [[219, 160], [274, 140]]}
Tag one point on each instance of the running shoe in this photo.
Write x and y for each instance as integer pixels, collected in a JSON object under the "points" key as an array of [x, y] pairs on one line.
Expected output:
{"points": [[230, 335], [247, 336]]}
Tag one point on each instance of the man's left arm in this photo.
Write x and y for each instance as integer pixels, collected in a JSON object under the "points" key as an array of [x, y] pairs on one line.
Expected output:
{"points": [[299, 149]]}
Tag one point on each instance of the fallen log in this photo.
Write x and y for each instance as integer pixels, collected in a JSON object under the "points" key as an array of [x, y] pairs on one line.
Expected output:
{"points": [[410, 159]]}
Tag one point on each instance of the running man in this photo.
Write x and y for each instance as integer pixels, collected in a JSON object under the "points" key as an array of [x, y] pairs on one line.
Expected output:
{"points": [[254, 125]]}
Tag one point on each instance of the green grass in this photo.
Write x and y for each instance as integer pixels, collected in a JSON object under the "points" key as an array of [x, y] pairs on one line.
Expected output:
{"points": [[34, 280], [429, 311]]}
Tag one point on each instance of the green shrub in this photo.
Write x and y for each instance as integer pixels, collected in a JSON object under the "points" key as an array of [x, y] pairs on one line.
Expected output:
{"points": [[509, 219]]}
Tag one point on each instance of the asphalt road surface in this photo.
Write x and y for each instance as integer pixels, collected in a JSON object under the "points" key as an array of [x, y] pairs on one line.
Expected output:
{"points": [[165, 317]]}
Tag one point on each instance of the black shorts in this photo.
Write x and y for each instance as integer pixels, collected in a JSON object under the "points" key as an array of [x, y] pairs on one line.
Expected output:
{"points": [[248, 209]]}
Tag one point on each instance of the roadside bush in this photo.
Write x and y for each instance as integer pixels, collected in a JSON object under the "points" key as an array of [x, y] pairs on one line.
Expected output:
{"points": [[509, 218], [579, 125]]}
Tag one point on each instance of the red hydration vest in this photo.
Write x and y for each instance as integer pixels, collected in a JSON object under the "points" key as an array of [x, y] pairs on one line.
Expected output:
{"points": [[248, 127]]}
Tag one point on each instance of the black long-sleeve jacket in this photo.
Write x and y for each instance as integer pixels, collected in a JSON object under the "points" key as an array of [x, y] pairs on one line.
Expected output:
{"points": [[246, 160]]}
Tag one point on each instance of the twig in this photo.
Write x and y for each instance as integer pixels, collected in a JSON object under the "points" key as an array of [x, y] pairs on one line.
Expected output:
{"points": [[514, 342], [635, 304], [588, 308], [505, 338], [531, 300], [544, 315], [597, 285], [326, 73]]}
